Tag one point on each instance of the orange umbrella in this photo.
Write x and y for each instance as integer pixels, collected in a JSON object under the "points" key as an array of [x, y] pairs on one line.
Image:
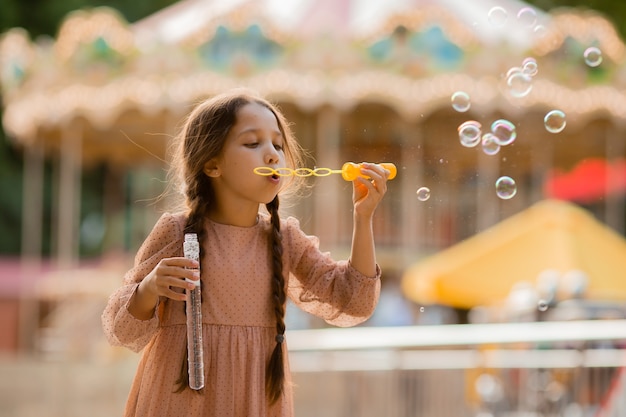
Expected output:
{"points": [[550, 235]]}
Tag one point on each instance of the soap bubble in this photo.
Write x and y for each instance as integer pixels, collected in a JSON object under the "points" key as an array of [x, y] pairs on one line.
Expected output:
{"points": [[423, 193], [497, 16], [554, 121], [593, 56], [506, 187], [490, 144], [504, 132], [513, 70], [527, 16], [469, 133], [540, 31], [529, 66], [461, 101], [519, 83]]}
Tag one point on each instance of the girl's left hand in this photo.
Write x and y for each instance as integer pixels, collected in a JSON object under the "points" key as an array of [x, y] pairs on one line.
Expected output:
{"points": [[367, 193]]}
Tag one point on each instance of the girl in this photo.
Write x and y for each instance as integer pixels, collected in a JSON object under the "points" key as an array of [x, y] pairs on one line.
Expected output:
{"points": [[250, 261]]}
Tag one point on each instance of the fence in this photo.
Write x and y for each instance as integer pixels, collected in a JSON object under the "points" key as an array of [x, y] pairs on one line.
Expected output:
{"points": [[570, 369], [545, 369]]}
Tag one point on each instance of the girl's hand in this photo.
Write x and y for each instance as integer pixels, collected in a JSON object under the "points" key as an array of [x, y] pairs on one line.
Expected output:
{"points": [[167, 279], [367, 193]]}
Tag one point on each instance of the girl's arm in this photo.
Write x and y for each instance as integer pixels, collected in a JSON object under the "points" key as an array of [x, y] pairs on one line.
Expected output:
{"points": [[367, 194], [343, 293], [130, 318]]}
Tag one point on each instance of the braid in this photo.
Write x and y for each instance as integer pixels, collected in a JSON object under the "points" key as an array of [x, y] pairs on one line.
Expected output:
{"points": [[198, 204], [275, 373]]}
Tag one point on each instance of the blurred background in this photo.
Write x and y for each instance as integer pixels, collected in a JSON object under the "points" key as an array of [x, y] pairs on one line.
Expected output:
{"points": [[501, 240]]}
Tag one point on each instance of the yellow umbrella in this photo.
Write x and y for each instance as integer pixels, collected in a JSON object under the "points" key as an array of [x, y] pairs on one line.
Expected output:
{"points": [[550, 235]]}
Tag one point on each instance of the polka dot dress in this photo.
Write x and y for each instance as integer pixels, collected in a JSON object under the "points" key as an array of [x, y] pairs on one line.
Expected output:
{"points": [[238, 321]]}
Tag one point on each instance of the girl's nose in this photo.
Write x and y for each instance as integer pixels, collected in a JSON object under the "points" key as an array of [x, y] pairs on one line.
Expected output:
{"points": [[272, 156]]}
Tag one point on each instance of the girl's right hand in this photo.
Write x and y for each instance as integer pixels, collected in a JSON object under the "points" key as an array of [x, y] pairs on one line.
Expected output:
{"points": [[167, 279]]}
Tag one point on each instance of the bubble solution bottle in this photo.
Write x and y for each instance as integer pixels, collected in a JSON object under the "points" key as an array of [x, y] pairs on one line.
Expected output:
{"points": [[191, 249]]}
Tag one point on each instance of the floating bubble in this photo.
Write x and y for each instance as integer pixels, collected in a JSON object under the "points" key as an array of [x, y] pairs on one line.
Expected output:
{"points": [[540, 31], [519, 84], [469, 133], [504, 132], [593, 56], [423, 193], [554, 121], [542, 305], [529, 66], [490, 144], [461, 101], [497, 16], [527, 16], [512, 71], [506, 187]]}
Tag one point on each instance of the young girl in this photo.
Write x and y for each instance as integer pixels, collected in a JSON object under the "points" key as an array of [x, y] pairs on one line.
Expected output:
{"points": [[250, 262]]}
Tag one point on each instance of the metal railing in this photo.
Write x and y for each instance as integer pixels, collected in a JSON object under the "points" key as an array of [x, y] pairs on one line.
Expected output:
{"points": [[508, 369]]}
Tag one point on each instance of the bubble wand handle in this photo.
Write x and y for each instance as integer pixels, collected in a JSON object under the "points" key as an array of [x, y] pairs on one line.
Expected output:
{"points": [[349, 171]]}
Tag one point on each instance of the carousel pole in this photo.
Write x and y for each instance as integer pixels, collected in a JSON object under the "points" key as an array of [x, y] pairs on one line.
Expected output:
{"points": [[414, 216], [32, 205], [32, 224], [328, 150], [487, 208], [69, 197]]}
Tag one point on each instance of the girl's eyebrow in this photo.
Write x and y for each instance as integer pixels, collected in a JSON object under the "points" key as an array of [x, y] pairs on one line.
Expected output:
{"points": [[277, 132]]}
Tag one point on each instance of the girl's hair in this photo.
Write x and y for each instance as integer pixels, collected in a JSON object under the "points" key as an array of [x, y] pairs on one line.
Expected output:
{"points": [[201, 139]]}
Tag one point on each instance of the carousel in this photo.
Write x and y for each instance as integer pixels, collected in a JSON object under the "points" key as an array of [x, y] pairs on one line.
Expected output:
{"points": [[456, 94]]}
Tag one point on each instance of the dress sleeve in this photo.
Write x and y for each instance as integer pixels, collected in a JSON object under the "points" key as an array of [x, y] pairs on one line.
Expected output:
{"points": [[120, 326], [332, 290]]}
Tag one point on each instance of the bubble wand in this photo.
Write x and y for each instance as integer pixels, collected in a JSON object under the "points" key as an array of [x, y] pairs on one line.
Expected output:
{"points": [[349, 171]]}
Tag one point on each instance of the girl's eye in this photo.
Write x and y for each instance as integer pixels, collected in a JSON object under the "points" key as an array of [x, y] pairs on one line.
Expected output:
{"points": [[251, 145], [278, 147]]}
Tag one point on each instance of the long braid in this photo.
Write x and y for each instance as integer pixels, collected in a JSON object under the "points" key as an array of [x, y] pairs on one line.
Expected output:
{"points": [[275, 373], [198, 204]]}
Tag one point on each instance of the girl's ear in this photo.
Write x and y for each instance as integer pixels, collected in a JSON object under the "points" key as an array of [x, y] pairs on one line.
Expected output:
{"points": [[211, 169]]}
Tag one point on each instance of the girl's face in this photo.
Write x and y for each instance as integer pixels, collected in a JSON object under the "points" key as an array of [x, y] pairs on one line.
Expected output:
{"points": [[254, 141]]}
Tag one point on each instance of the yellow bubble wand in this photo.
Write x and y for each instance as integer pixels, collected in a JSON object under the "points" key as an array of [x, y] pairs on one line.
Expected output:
{"points": [[349, 171]]}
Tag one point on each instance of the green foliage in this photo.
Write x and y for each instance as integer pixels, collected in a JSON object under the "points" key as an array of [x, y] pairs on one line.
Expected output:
{"points": [[10, 198], [614, 11], [43, 17]]}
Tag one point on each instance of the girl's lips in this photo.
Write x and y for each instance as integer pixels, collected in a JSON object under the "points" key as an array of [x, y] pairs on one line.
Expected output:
{"points": [[274, 179]]}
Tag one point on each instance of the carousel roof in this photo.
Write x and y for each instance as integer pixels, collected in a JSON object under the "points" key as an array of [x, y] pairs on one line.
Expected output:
{"points": [[114, 80], [356, 19]]}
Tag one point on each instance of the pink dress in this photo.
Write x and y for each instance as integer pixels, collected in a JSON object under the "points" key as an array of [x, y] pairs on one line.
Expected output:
{"points": [[238, 321]]}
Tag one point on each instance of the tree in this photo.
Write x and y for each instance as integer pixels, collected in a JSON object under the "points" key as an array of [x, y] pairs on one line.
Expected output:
{"points": [[614, 11]]}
